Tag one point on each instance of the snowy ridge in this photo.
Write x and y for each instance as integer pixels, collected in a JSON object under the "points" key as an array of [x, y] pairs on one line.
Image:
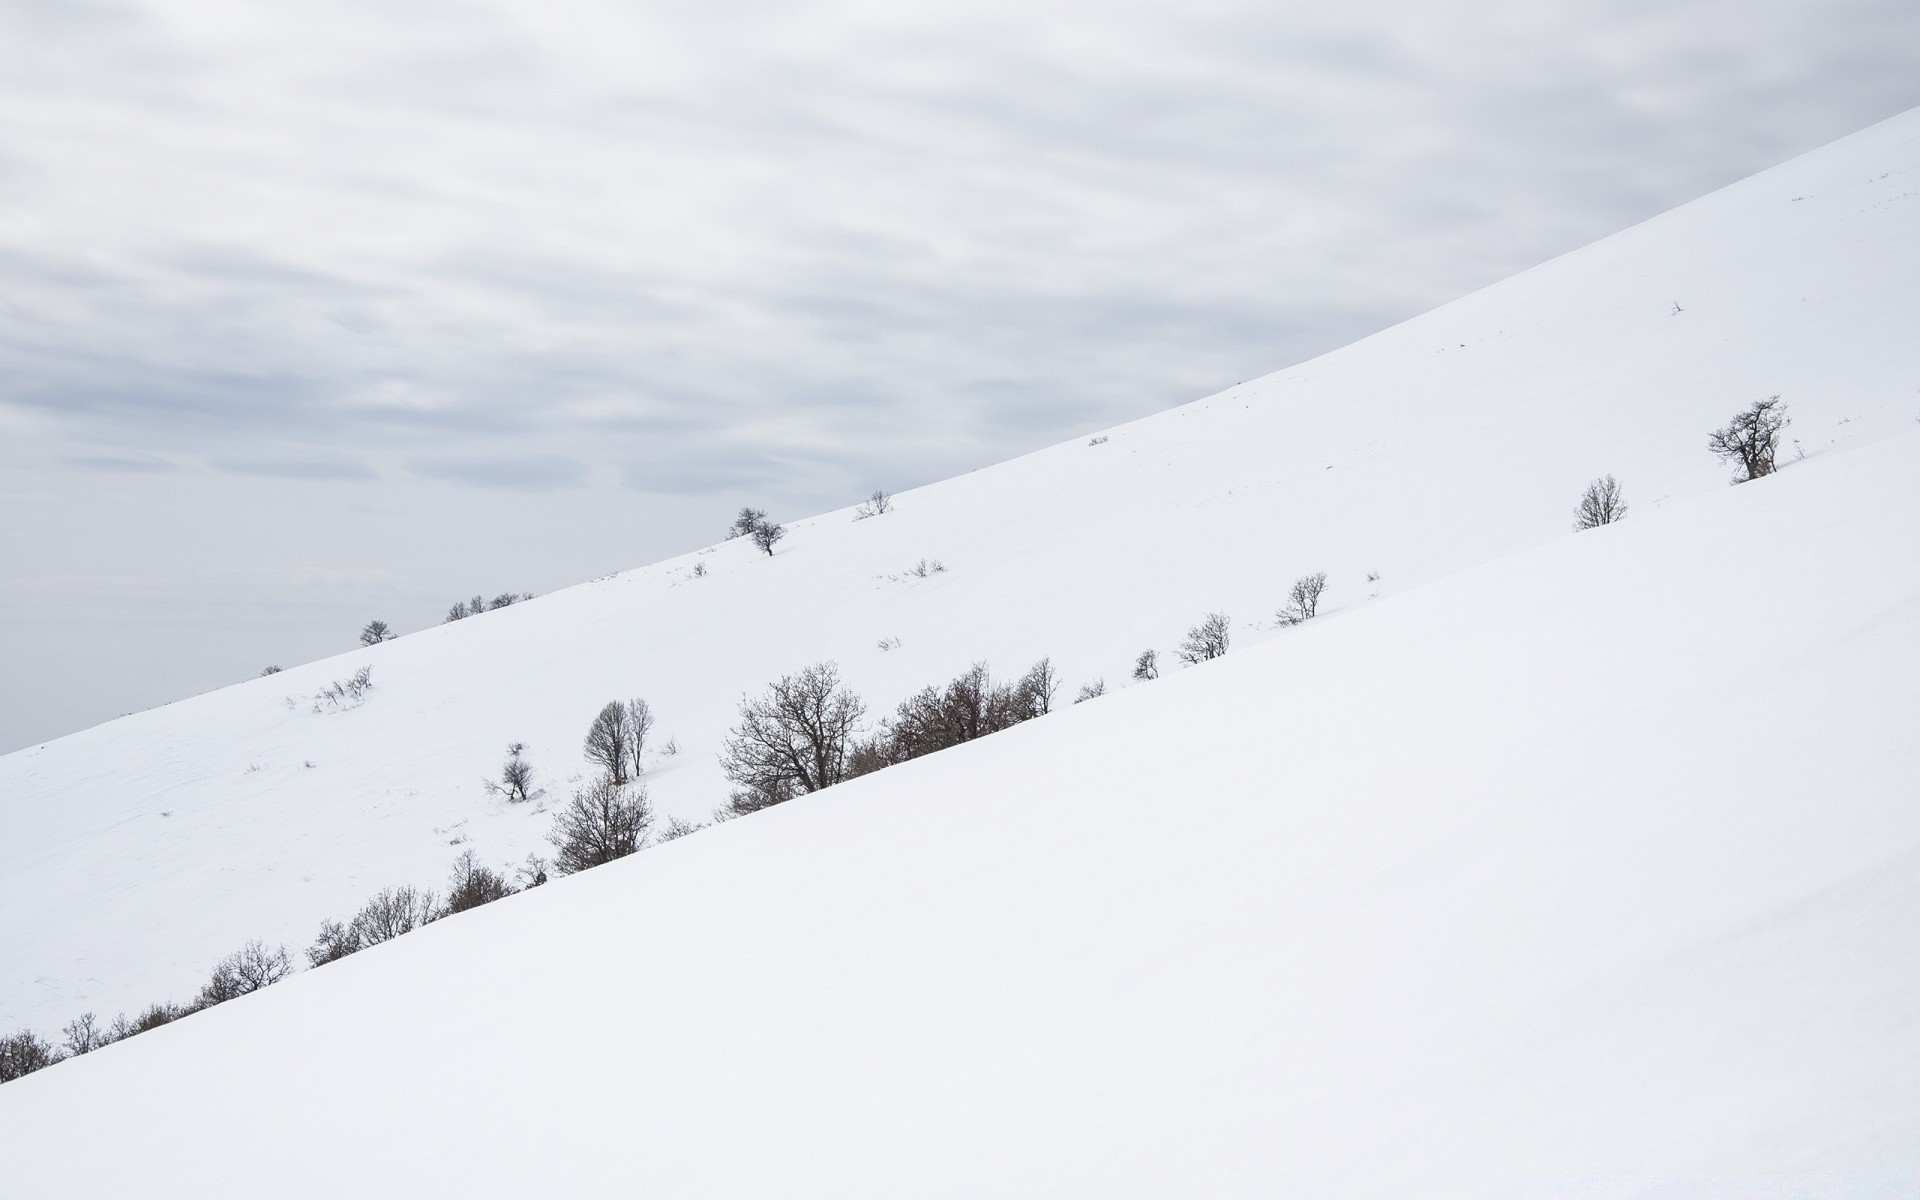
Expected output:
{"points": [[135, 854]]}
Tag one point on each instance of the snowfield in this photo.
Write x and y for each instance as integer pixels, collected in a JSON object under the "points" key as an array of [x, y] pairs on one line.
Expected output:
{"points": [[1593, 870], [1543, 862]]}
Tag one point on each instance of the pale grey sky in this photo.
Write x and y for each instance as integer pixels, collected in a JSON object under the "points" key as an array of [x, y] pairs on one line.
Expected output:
{"points": [[310, 315]]}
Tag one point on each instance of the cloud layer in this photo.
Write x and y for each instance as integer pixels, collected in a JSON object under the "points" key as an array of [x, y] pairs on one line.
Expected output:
{"points": [[421, 259]]}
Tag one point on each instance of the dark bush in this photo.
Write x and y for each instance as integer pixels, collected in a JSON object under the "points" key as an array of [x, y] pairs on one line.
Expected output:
{"points": [[1090, 690], [748, 520], [1207, 640], [474, 884], [84, 1035], [335, 942], [23, 1054], [248, 969], [971, 706], [1147, 666], [767, 535], [375, 633], [602, 822], [393, 912], [793, 739]]}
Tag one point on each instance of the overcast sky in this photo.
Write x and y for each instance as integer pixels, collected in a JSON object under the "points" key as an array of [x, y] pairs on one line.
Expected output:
{"points": [[316, 313]]}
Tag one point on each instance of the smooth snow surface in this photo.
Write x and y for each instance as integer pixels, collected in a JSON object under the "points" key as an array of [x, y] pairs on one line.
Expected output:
{"points": [[1594, 870]]}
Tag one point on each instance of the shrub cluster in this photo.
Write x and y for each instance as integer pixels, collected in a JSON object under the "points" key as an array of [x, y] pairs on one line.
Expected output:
{"points": [[473, 607]]}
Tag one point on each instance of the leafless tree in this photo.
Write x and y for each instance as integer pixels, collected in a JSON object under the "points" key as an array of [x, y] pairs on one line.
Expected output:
{"points": [[375, 633], [1304, 600], [766, 534], [393, 912], [1089, 690], [531, 873], [748, 520], [506, 598], [474, 884], [1207, 640], [516, 777], [84, 1035], [1147, 666], [639, 725], [604, 821], [795, 738], [23, 1054], [609, 743], [1038, 687], [1750, 439], [336, 941], [248, 969], [1601, 504], [877, 504]]}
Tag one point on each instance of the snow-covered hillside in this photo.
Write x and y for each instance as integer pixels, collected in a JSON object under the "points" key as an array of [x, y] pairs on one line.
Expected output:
{"points": [[1594, 870], [135, 854]]}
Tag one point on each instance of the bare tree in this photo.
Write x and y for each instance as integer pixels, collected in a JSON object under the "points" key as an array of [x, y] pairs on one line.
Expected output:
{"points": [[1601, 504], [1207, 640], [1037, 689], [458, 612], [602, 822], [1750, 439], [531, 873], [393, 912], [84, 1035], [248, 969], [767, 534], [609, 742], [23, 1054], [506, 598], [1303, 601], [375, 633], [1147, 666], [336, 941], [793, 739], [474, 884], [639, 725], [516, 777], [748, 520], [878, 503], [1090, 690]]}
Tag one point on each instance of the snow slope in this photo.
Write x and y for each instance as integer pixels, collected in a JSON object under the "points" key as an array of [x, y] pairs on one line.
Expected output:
{"points": [[134, 854], [1592, 870]]}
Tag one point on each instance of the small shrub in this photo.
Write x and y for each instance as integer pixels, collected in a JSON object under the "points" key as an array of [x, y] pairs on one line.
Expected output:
{"points": [[1207, 640], [1304, 600], [1751, 438], [878, 504], [346, 693], [676, 828], [392, 913], [748, 520], [516, 777], [926, 567], [265, 671], [150, 1018], [970, 706], [24, 1053], [247, 969], [1147, 666], [767, 534], [1090, 690], [795, 738], [1097, 441], [602, 822], [531, 873], [375, 633], [84, 1035], [699, 570], [474, 884], [335, 942], [1601, 504]]}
